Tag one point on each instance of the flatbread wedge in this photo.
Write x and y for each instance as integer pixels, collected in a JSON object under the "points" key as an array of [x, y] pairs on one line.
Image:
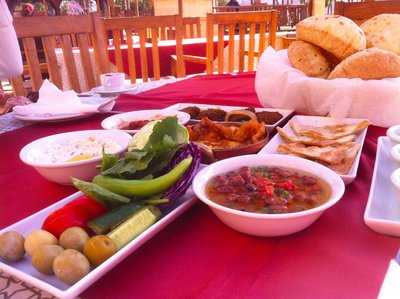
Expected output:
{"points": [[311, 141], [330, 132], [345, 165], [327, 154]]}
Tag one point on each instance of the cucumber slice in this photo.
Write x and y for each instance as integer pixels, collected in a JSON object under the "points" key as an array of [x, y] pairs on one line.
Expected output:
{"points": [[103, 224], [134, 226]]}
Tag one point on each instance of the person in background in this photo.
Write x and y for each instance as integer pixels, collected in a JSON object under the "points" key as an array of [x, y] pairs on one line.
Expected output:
{"points": [[232, 3], [10, 54]]}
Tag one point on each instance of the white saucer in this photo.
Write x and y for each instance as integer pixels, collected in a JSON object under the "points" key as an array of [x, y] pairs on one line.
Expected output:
{"points": [[103, 91]]}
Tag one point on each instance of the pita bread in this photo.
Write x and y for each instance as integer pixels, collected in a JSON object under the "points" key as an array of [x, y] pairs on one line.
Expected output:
{"points": [[328, 154], [331, 132], [311, 141]]}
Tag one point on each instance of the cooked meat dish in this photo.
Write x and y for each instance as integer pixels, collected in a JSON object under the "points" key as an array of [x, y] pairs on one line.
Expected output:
{"points": [[213, 114], [193, 111], [242, 115], [268, 117], [223, 136]]}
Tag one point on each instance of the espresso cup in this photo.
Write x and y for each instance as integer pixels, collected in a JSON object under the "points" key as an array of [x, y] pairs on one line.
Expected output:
{"points": [[111, 81]]}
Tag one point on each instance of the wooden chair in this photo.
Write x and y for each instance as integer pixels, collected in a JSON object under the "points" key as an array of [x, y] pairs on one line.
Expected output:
{"points": [[263, 21], [260, 21], [362, 11], [141, 25], [60, 28]]}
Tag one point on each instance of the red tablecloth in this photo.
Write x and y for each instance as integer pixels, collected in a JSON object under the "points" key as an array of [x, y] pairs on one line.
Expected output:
{"points": [[199, 257], [195, 47]]}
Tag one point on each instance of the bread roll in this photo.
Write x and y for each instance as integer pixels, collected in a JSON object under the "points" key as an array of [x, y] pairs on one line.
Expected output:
{"points": [[336, 34], [309, 59], [371, 63], [383, 31]]}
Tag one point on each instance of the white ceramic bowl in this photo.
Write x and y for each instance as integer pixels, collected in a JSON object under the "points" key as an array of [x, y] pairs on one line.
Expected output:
{"points": [[395, 178], [114, 122], [394, 133], [268, 225], [395, 152], [61, 172]]}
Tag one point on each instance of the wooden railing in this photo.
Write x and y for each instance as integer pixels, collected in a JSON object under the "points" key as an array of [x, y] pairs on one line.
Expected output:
{"points": [[360, 11], [289, 14]]}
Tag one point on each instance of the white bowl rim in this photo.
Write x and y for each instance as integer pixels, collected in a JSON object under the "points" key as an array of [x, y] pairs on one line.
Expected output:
{"points": [[395, 152], [106, 122], [395, 178], [330, 202], [23, 152], [394, 133]]}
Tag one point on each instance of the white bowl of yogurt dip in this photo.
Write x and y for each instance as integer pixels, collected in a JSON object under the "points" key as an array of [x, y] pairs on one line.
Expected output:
{"points": [[74, 154]]}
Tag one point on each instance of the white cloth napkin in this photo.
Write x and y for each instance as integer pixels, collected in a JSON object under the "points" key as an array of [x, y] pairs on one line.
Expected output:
{"points": [[280, 85], [390, 288], [53, 101]]}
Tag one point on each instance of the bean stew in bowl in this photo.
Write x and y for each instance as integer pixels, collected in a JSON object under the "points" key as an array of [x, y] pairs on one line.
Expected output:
{"points": [[268, 195], [270, 190]]}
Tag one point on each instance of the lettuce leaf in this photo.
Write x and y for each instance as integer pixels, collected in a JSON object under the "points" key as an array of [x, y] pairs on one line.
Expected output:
{"points": [[162, 144]]}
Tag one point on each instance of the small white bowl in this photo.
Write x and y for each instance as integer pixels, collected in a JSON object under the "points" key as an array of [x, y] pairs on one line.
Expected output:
{"points": [[395, 178], [394, 133], [268, 225], [61, 172], [395, 152], [114, 122]]}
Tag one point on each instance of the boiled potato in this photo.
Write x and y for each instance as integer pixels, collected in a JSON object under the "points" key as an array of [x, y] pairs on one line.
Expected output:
{"points": [[38, 238], [99, 248], [12, 246], [70, 266], [74, 238], [43, 257]]}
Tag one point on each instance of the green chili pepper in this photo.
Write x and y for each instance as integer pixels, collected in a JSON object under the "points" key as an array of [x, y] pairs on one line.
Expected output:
{"points": [[144, 187]]}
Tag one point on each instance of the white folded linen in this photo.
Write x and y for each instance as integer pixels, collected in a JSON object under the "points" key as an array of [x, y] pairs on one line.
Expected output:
{"points": [[391, 288], [279, 85], [53, 101]]}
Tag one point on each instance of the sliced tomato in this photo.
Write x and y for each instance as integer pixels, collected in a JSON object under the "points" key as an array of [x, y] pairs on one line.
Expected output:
{"points": [[75, 213]]}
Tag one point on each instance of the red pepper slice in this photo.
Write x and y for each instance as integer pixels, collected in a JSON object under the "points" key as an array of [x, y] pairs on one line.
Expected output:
{"points": [[75, 213], [287, 185]]}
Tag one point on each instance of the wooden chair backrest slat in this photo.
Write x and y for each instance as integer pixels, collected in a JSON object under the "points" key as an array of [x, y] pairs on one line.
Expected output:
{"points": [[69, 60], [33, 61], [143, 55], [221, 44], [231, 45], [251, 22], [131, 56], [84, 48], [154, 52], [242, 31], [61, 33], [116, 34], [261, 42], [18, 86], [153, 28], [251, 46], [49, 46], [192, 27]]}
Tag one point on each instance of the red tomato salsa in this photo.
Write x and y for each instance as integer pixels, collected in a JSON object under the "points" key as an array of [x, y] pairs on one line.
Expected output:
{"points": [[269, 190]]}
